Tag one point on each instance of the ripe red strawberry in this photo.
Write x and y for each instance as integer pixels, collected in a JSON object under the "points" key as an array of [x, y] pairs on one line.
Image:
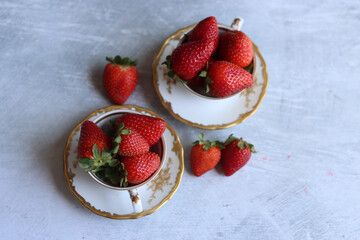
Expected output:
{"points": [[140, 167], [130, 142], [189, 58], [236, 47], [151, 128], [205, 29], [120, 78], [235, 155], [91, 134], [204, 155], [93, 146], [225, 78]]}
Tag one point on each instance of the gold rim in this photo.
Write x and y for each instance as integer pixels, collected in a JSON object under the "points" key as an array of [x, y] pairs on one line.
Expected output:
{"points": [[243, 117], [69, 175]]}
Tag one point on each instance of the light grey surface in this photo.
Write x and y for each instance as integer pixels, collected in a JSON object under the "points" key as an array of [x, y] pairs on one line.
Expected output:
{"points": [[302, 184]]}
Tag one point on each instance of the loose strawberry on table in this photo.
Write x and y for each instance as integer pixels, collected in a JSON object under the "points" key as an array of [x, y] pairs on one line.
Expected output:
{"points": [[204, 155], [120, 78], [151, 128], [235, 155], [236, 47]]}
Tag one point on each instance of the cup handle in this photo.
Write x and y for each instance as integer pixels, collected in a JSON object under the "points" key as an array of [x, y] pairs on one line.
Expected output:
{"points": [[237, 23], [136, 201]]}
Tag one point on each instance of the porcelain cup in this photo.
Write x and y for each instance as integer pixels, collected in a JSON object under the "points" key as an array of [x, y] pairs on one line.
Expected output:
{"points": [[159, 148]]}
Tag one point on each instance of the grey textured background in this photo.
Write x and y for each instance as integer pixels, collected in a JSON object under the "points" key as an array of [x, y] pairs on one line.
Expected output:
{"points": [[303, 183]]}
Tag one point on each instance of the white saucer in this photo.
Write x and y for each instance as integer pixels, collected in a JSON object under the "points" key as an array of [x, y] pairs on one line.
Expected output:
{"points": [[117, 204], [200, 112]]}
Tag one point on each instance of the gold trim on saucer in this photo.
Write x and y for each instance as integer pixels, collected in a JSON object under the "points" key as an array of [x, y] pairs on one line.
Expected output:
{"points": [[69, 175], [177, 36]]}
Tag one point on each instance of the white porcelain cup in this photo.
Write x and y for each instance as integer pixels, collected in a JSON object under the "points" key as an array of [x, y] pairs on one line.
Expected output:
{"points": [[159, 148]]}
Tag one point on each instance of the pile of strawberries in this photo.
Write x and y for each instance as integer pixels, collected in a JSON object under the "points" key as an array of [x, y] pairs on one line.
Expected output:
{"points": [[123, 156], [234, 153], [215, 62]]}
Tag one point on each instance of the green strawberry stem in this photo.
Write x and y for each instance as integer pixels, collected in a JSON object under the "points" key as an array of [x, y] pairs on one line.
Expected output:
{"points": [[241, 144], [121, 61], [99, 159], [123, 173], [208, 81], [208, 144]]}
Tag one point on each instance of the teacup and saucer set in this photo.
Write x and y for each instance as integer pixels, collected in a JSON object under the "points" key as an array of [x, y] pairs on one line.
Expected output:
{"points": [[130, 202], [200, 111], [184, 104]]}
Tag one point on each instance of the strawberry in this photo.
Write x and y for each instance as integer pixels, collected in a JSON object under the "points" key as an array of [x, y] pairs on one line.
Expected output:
{"points": [[140, 167], [151, 128], [205, 29], [120, 78], [189, 58], [204, 155], [130, 142], [236, 47], [235, 155], [93, 146], [225, 78]]}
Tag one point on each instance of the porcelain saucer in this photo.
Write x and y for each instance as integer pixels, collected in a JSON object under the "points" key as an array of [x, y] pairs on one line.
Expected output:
{"points": [[117, 204], [200, 112]]}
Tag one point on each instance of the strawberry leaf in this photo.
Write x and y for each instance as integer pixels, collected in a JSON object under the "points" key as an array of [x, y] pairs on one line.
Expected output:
{"points": [[121, 61], [85, 163], [115, 149], [230, 139], [123, 173], [208, 81], [113, 162], [167, 62], [117, 139], [114, 178], [220, 144], [109, 60], [125, 132], [96, 152], [97, 169], [241, 144], [106, 155], [117, 59], [89, 169], [121, 126], [251, 147], [125, 61], [203, 74]]}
